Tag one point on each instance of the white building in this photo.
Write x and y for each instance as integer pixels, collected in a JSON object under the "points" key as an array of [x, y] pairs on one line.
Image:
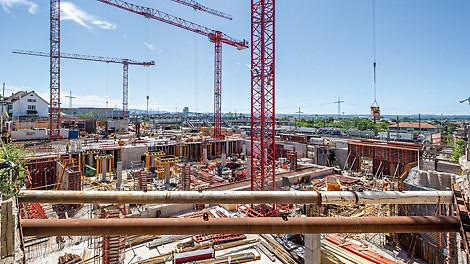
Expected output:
{"points": [[23, 104]]}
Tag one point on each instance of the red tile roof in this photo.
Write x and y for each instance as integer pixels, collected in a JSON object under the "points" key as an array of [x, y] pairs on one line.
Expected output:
{"points": [[414, 125]]}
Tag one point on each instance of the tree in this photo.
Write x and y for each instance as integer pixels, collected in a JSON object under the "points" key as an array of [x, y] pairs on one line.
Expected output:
{"points": [[458, 151], [448, 128], [12, 174]]}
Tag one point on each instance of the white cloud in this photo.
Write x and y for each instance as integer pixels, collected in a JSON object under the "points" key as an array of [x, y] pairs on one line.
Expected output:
{"points": [[91, 101], [152, 47], [149, 46], [245, 64], [7, 4], [71, 12]]}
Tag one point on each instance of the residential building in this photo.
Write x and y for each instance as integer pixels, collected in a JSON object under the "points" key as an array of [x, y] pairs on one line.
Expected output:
{"points": [[24, 104], [415, 127]]}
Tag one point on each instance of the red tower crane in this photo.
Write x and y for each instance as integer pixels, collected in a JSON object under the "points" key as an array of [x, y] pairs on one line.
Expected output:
{"points": [[125, 63], [215, 36], [263, 116]]}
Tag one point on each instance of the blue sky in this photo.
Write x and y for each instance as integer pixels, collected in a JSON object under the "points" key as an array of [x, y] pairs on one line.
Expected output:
{"points": [[324, 50]]}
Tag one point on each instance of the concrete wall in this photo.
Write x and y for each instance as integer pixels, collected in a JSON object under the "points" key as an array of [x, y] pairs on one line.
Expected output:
{"points": [[132, 153], [118, 125], [442, 166], [436, 180], [341, 156], [300, 148]]}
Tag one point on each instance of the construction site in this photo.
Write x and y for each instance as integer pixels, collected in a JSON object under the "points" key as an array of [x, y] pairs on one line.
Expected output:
{"points": [[171, 188]]}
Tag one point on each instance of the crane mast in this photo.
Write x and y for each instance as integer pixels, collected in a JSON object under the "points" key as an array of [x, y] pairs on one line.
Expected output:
{"points": [[215, 36], [263, 116], [54, 70], [124, 62]]}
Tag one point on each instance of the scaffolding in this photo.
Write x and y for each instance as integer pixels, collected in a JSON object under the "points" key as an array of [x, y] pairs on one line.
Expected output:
{"points": [[165, 166], [43, 172], [381, 157], [105, 162], [141, 179], [110, 249], [150, 158], [292, 158], [186, 178], [184, 172]]}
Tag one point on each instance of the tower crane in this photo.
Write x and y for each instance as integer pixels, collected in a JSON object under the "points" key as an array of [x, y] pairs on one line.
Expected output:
{"points": [[215, 36], [54, 62], [124, 62], [263, 116]]}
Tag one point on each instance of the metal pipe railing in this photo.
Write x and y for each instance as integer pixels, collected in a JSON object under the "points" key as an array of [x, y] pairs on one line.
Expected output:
{"points": [[268, 225], [236, 197]]}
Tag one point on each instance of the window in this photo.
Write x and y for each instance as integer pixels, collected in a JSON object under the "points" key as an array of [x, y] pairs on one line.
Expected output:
{"points": [[31, 107], [31, 100]]}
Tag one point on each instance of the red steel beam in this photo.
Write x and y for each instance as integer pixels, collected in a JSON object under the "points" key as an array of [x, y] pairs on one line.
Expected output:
{"points": [[268, 225]]}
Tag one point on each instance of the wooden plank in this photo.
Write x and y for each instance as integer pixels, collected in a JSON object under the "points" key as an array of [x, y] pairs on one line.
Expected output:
{"points": [[7, 229]]}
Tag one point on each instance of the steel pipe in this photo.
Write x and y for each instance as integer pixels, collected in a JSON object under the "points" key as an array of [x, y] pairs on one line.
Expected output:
{"points": [[236, 197], [267, 225]]}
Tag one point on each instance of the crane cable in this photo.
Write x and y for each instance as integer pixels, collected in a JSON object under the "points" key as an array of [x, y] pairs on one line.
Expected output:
{"points": [[147, 85], [195, 64], [374, 50]]}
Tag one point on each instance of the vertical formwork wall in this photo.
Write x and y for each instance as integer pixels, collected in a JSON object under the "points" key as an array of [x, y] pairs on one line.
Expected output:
{"points": [[388, 158]]}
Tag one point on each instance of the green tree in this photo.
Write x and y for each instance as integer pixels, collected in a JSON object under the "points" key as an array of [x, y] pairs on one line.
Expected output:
{"points": [[12, 176], [458, 151], [448, 128], [383, 126]]}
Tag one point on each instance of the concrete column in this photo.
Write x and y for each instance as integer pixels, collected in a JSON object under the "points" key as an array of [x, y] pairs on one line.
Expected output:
{"points": [[244, 149], [224, 159], [119, 174], [181, 150], [90, 159], [167, 174], [204, 155], [103, 170], [227, 148], [312, 241], [248, 167]]}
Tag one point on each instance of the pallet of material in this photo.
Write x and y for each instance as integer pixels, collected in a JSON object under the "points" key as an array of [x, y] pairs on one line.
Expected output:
{"points": [[235, 258], [360, 251]]}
